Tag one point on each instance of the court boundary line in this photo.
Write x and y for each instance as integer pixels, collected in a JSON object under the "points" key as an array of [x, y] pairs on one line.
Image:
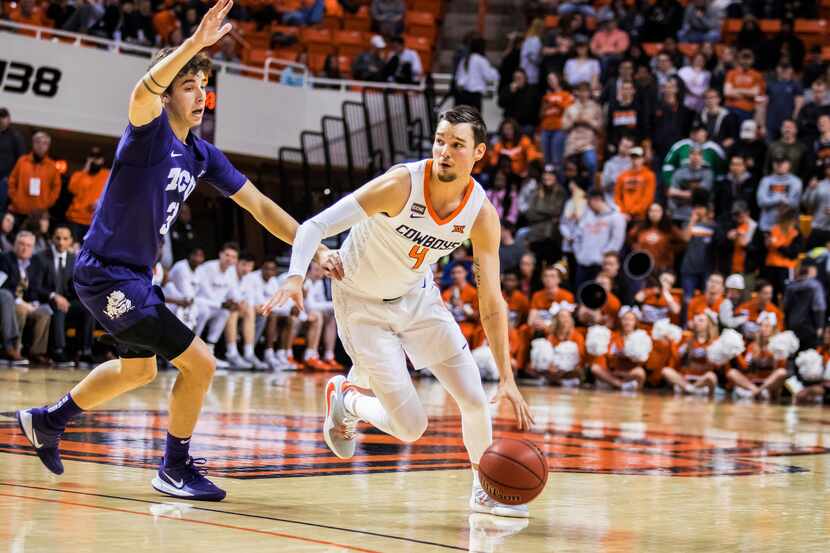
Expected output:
{"points": [[246, 515], [271, 533]]}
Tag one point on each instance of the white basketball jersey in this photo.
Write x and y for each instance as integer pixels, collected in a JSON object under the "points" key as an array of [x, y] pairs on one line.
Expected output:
{"points": [[386, 257]]}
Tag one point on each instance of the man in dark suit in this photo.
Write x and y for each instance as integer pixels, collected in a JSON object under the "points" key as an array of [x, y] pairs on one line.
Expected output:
{"points": [[20, 273], [54, 267]]}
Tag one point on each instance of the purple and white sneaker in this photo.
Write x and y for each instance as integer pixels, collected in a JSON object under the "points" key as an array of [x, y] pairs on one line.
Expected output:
{"points": [[187, 480], [44, 439]]}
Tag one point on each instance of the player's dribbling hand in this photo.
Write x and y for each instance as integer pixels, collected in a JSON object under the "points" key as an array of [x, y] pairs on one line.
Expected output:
{"points": [[509, 390], [291, 289], [211, 29], [331, 264]]}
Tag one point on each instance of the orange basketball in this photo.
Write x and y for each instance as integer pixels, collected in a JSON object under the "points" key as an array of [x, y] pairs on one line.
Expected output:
{"points": [[513, 471]]}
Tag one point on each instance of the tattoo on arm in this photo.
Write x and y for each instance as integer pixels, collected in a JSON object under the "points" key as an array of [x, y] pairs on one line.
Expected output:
{"points": [[477, 272]]}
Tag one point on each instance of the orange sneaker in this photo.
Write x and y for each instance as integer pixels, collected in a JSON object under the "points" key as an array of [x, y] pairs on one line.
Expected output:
{"points": [[333, 365], [316, 364], [292, 364]]}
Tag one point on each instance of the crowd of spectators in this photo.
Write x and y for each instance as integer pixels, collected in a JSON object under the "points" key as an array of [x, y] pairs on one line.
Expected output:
{"points": [[157, 23], [712, 155]]}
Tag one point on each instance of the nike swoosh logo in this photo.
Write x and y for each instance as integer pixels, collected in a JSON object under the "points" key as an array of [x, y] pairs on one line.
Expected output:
{"points": [[174, 154], [464, 347], [36, 443], [179, 484], [185, 442]]}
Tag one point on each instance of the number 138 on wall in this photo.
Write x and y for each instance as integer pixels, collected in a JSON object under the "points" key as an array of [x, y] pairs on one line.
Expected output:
{"points": [[20, 78]]}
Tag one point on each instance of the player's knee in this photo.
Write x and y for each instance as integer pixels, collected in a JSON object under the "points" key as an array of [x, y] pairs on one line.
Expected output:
{"points": [[413, 429], [140, 371]]}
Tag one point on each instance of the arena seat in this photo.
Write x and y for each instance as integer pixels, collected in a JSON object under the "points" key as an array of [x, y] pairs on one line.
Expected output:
{"points": [[359, 21], [421, 24], [351, 43]]}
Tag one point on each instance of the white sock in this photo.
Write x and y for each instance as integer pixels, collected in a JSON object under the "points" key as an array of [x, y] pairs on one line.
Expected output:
{"points": [[269, 352], [282, 354], [248, 349], [230, 350], [310, 354], [329, 355]]}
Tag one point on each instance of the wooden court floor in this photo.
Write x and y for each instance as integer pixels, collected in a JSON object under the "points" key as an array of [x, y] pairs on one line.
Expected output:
{"points": [[628, 473]]}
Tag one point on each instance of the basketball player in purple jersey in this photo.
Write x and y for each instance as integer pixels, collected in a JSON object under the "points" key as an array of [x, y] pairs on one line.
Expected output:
{"points": [[157, 164]]}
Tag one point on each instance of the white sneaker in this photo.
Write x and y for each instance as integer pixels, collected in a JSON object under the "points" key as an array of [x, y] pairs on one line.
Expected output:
{"points": [[256, 363], [488, 533], [236, 361], [742, 393], [271, 359], [764, 395], [570, 382], [480, 502], [701, 391], [630, 386], [340, 427]]}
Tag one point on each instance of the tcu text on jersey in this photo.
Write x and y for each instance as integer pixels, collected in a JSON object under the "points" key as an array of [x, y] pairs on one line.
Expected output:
{"points": [[182, 181]]}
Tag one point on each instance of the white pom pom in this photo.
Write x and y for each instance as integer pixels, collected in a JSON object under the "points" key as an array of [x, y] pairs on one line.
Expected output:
{"points": [[541, 354], [732, 342], [486, 363], [597, 340], [566, 356], [729, 345], [664, 330], [637, 346], [783, 344], [810, 365]]}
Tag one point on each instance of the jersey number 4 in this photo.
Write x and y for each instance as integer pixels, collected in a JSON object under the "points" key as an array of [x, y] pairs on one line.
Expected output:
{"points": [[418, 253]]}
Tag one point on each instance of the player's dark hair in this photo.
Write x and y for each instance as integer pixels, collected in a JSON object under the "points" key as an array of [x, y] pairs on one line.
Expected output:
{"points": [[466, 114], [247, 256], [199, 62], [230, 246]]}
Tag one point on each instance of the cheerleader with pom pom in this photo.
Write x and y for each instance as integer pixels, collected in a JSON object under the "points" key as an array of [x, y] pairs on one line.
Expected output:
{"points": [[622, 366], [567, 365], [816, 385], [763, 366], [693, 372]]}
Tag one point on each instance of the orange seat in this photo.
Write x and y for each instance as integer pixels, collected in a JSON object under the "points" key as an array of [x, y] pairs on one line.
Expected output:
{"points": [[652, 48], [421, 24], [257, 56], [357, 21], [688, 49], [770, 26], [551, 21], [732, 26], [317, 40], [417, 43], [825, 53], [316, 61], [351, 43], [435, 7], [810, 26], [261, 39], [333, 8], [285, 30], [333, 22], [245, 27]]}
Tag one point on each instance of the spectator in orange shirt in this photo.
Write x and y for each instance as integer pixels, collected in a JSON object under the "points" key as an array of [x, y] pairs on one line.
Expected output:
{"points": [[554, 104], [743, 84], [709, 300], [86, 186], [462, 300], [518, 305], [520, 149], [605, 315], [762, 301], [659, 299], [635, 188], [35, 182], [656, 236], [784, 243], [28, 13], [539, 319]]}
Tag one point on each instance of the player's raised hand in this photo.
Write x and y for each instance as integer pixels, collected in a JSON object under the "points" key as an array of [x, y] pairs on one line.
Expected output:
{"points": [[508, 390], [331, 264], [211, 29], [291, 289]]}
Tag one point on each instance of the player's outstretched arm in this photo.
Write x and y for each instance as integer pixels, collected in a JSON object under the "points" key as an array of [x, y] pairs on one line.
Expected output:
{"points": [[145, 102], [485, 236], [387, 193]]}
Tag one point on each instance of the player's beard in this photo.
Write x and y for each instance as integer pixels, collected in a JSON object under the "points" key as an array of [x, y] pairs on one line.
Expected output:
{"points": [[446, 177]]}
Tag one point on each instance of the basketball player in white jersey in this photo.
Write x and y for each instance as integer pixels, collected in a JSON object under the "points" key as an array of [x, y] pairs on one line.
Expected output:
{"points": [[387, 305]]}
